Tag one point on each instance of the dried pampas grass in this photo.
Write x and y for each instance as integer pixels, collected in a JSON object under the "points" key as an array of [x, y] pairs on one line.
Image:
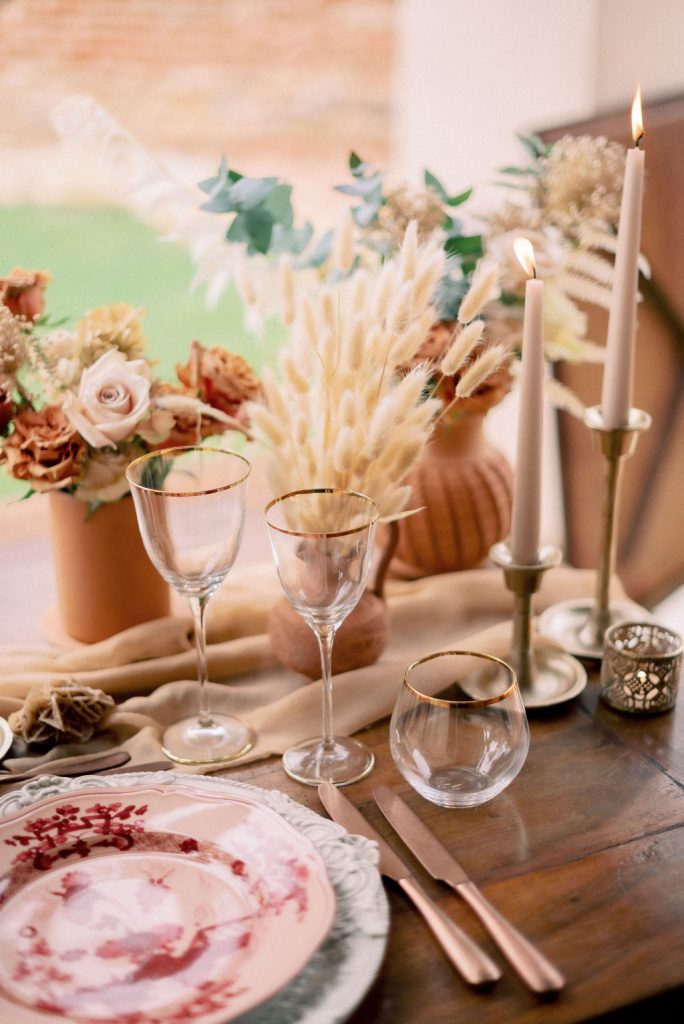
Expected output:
{"points": [[341, 412]]}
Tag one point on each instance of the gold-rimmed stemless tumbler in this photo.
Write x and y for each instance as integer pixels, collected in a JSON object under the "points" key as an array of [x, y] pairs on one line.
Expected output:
{"points": [[322, 542], [190, 504], [459, 732]]}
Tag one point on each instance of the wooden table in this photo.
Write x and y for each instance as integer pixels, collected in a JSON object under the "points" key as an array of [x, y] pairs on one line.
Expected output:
{"points": [[584, 852]]}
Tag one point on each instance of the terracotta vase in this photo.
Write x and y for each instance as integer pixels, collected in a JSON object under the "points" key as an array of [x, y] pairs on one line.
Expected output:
{"points": [[465, 487], [105, 581], [360, 640]]}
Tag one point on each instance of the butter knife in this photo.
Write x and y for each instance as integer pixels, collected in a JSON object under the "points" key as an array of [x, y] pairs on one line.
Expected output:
{"points": [[472, 963], [532, 966]]}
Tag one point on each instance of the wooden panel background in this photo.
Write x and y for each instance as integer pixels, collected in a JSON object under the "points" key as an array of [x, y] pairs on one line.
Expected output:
{"points": [[651, 529]]}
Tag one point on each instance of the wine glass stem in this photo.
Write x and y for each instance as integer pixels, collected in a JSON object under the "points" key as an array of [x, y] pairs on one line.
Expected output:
{"points": [[325, 636], [198, 607]]}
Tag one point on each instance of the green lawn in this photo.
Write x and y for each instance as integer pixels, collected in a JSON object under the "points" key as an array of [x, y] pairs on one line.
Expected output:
{"points": [[100, 255]]}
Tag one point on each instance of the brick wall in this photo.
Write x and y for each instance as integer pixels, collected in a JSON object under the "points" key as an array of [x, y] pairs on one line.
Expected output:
{"points": [[289, 85]]}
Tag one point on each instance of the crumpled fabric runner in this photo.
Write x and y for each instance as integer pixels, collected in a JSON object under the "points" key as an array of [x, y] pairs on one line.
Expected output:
{"points": [[156, 661]]}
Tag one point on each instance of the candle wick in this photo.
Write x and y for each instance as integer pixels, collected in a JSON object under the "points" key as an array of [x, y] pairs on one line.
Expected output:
{"points": [[534, 273], [637, 144]]}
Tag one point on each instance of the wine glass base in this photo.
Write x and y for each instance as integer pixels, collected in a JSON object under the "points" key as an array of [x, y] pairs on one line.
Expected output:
{"points": [[343, 762], [223, 739]]}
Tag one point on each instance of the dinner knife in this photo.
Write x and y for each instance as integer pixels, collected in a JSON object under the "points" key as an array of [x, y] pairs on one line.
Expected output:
{"points": [[532, 966], [472, 963]]}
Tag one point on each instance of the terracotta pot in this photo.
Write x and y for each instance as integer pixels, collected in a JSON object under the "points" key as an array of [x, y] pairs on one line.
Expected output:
{"points": [[105, 581], [466, 486], [360, 640]]}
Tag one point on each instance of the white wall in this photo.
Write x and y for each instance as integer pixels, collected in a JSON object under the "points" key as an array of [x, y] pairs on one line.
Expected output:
{"points": [[472, 74], [639, 39]]}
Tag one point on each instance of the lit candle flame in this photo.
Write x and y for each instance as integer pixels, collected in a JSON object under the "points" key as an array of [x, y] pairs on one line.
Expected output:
{"points": [[525, 253], [637, 117]]}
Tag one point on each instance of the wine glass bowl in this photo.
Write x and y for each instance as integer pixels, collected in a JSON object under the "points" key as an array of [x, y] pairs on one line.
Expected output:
{"points": [[322, 542], [190, 504], [459, 732]]}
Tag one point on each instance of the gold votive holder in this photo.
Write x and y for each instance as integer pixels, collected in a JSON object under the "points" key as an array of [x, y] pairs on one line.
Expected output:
{"points": [[641, 666], [579, 625], [546, 675]]}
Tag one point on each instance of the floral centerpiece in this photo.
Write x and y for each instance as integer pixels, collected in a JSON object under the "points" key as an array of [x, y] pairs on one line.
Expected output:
{"points": [[77, 406]]}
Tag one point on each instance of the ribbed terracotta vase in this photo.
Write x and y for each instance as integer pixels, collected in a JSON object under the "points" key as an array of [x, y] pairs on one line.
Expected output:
{"points": [[105, 581], [362, 636], [466, 487]]}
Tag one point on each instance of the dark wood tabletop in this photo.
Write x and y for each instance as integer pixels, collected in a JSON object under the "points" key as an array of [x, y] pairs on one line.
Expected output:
{"points": [[584, 852]]}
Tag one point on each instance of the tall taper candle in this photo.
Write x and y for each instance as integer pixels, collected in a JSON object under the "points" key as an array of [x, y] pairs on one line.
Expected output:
{"points": [[616, 396], [526, 513]]}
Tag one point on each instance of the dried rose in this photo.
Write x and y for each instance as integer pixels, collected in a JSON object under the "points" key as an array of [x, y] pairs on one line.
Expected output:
{"points": [[23, 292], [222, 379], [113, 396], [7, 410], [44, 449]]}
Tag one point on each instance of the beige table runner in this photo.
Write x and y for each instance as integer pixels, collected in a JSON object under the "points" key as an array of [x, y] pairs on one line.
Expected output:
{"points": [[468, 609]]}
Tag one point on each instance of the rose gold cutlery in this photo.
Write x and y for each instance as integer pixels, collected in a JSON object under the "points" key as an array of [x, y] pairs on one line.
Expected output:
{"points": [[473, 964], [532, 966]]}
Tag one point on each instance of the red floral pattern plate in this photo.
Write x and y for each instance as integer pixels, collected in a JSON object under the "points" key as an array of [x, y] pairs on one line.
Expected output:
{"points": [[153, 905]]}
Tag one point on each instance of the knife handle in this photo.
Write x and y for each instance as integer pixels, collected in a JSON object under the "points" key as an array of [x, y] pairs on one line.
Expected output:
{"points": [[532, 966], [468, 959]]}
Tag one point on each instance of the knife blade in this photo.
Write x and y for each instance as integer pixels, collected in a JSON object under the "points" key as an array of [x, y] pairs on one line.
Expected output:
{"points": [[469, 960], [533, 967]]}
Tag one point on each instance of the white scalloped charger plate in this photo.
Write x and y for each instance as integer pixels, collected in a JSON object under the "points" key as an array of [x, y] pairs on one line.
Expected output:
{"points": [[180, 899]]}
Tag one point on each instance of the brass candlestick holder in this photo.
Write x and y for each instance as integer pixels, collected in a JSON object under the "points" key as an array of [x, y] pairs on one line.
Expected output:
{"points": [[545, 675], [579, 625]]}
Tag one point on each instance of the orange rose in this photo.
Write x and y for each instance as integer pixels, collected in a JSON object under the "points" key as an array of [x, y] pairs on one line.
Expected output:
{"points": [[182, 427], [43, 449], [220, 378], [23, 292]]}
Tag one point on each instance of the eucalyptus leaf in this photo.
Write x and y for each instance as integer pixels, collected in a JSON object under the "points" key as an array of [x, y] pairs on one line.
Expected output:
{"points": [[462, 197], [517, 171], [259, 224], [279, 205], [220, 203], [464, 245], [250, 192], [534, 145], [320, 252], [365, 214], [432, 182], [294, 240]]}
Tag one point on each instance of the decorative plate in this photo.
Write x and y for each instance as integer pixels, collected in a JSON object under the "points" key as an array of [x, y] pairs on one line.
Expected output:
{"points": [[179, 900]]}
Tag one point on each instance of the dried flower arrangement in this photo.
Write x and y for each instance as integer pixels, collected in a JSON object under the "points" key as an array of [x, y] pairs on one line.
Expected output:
{"points": [[76, 406], [354, 403]]}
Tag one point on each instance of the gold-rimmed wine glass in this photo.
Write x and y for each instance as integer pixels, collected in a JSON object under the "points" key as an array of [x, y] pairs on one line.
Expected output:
{"points": [[322, 540], [190, 504]]}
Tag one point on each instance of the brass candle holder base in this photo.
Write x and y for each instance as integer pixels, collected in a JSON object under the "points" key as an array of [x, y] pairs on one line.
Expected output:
{"points": [[546, 676], [579, 626]]}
